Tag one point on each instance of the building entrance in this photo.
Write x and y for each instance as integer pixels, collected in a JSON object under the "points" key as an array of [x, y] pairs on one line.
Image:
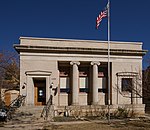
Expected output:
{"points": [[39, 91]]}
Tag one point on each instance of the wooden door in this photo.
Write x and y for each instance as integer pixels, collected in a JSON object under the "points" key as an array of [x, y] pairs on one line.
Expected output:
{"points": [[39, 92]]}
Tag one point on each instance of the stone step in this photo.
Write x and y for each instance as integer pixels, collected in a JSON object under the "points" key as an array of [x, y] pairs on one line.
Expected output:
{"points": [[31, 108], [27, 114], [34, 110]]}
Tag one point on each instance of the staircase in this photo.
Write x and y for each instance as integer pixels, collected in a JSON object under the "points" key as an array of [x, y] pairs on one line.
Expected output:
{"points": [[16, 103], [30, 113]]}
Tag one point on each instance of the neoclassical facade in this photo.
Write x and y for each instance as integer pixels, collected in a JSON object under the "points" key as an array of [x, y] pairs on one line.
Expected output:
{"points": [[75, 72]]}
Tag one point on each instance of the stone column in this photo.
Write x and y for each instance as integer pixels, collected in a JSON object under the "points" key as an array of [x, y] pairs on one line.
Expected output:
{"points": [[75, 81], [95, 65]]}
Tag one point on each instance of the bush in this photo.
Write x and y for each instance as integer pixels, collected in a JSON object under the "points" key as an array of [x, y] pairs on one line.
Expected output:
{"points": [[121, 113]]}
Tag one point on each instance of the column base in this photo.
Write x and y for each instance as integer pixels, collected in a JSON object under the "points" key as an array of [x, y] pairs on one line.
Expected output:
{"points": [[75, 104], [94, 103]]}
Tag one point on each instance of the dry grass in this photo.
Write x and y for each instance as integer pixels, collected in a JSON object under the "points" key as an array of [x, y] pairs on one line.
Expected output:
{"points": [[115, 125], [80, 125], [29, 122]]}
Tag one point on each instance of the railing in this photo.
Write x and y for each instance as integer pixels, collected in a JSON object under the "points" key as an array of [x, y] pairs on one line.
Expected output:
{"points": [[15, 104], [48, 110], [18, 101]]}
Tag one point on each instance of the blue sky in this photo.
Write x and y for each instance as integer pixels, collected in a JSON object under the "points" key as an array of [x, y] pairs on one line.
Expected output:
{"points": [[73, 19]]}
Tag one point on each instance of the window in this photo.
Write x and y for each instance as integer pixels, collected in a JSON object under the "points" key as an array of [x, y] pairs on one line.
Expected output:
{"points": [[102, 84], [102, 80], [83, 84], [83, 79], [41, 94], [64, 80], [126, 84], [64, 84]]}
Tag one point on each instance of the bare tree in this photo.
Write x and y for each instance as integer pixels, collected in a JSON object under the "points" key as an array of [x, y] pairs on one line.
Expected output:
{"points": [[136, 84], [9, 71], [146, 85], [129, 85]]}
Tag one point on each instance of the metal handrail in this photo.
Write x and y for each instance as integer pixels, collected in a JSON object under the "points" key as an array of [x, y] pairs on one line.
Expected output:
{"points": [[18, 101], [47, 109]]}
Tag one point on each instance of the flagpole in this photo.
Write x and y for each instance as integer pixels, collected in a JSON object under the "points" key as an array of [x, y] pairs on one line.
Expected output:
{"points": [[108, 61], [98, 20]]}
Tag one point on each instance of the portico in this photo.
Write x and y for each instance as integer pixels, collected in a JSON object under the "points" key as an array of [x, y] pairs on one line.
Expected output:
{"points": [[83, 83]]}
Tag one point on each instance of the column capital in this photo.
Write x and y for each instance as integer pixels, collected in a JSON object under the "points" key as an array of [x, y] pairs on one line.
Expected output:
{"points": [[95, 63], [74, 62]]}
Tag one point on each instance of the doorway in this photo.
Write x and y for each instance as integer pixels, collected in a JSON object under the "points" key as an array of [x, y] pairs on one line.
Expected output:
{"points": [[39, 91]]}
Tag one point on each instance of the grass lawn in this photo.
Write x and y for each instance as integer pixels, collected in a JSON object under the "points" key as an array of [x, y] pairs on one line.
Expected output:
{"points": [[115, 125]]}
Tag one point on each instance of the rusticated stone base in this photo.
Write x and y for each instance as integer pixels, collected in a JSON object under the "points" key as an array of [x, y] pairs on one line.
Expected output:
{"points": [[97, 110]]}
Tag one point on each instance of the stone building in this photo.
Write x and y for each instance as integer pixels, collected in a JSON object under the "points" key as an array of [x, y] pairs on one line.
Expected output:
{"points": [[75, 72]]}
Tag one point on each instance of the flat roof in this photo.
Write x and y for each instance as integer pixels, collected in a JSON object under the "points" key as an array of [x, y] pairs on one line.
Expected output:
{"points": [[79, 40]]}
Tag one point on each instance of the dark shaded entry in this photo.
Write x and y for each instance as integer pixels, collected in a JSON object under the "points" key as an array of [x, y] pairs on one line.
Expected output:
{"points": [[39, 91]]}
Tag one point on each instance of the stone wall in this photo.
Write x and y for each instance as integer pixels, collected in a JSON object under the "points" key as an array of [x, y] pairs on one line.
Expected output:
{"points": [[137, 110]]}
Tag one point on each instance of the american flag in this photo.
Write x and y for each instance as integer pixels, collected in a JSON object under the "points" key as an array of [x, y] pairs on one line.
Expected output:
{"points": [[99, 18]]}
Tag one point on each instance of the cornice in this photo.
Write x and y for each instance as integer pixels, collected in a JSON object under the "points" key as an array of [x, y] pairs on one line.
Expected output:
{"points": [[77, 50]]}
